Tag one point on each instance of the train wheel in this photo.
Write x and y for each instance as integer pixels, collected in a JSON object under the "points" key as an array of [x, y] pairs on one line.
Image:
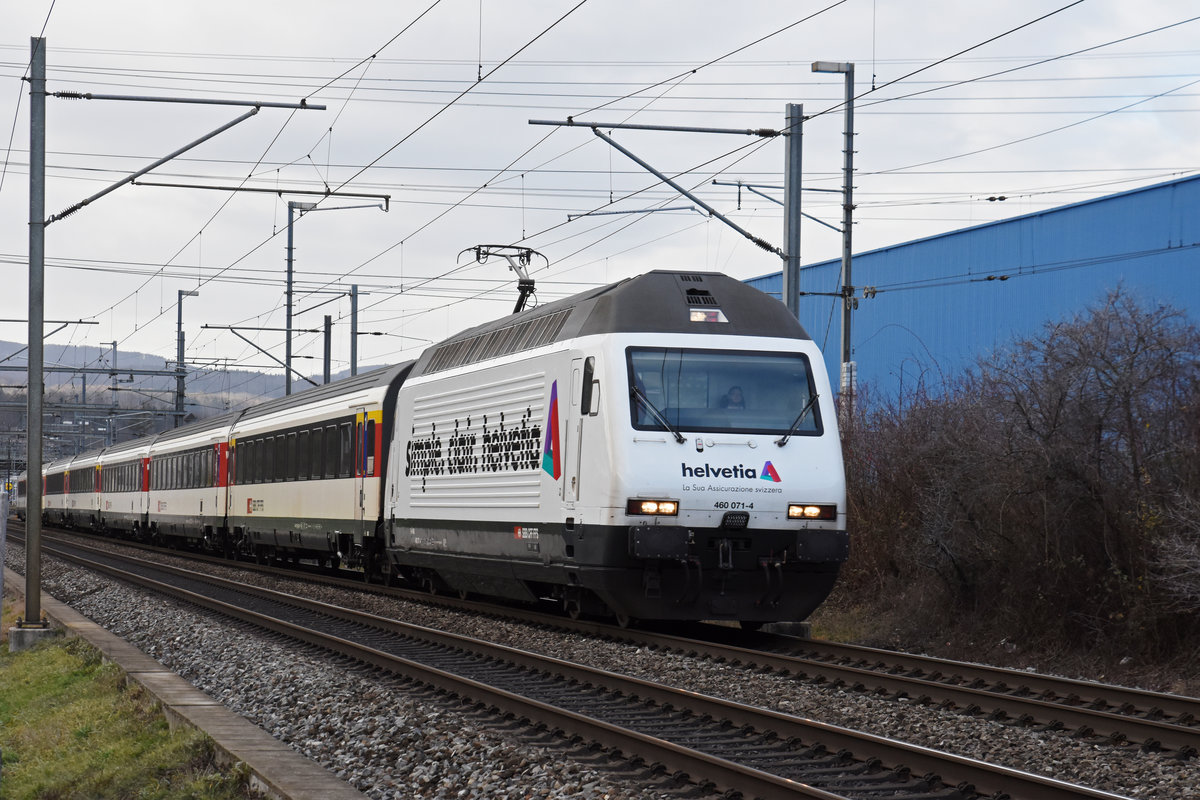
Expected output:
{"points": [[625, 621]]}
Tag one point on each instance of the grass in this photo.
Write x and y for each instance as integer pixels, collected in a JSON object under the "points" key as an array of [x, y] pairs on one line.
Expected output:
{"points": [[70, 729]]}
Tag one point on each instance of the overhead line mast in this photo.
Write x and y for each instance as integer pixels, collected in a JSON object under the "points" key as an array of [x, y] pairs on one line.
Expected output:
{"points": [[33, 626]]}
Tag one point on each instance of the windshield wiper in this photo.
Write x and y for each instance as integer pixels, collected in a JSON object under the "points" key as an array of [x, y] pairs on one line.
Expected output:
{"points": [[800, 418], [640, 396]]}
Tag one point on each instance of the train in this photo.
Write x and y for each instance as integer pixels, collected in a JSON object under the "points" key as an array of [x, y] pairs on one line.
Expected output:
{"points": [[661, 448]]}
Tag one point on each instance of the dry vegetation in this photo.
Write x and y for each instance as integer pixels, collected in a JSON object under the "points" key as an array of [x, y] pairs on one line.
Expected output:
{"points": [[1045, 507]]}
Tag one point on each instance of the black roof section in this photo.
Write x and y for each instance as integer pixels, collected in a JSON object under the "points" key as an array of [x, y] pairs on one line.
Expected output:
{"points": [[661, 301], [383, 376], [219, 421]]}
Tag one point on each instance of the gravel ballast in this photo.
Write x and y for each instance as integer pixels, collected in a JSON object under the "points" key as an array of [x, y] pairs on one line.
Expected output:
{"points": [[391, 739]]}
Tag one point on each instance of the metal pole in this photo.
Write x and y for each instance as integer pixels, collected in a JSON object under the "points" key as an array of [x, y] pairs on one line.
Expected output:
{"points": [[353, 329], [130, 178], [113, 396], [287, 348], [849, 378], [328, 345], [37, 287], [689, 195], [848, 370], [179, 387], [180, 372], [293, 205], [791, 207]]}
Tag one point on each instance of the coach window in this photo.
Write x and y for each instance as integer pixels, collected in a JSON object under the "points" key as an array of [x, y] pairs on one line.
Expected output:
{"points": [[293, 467], [360, 452], [266, 459], [316, 445], [370, 447], [250, 467], [331, 451], [302, 456], [347, 452], [281, 463]]}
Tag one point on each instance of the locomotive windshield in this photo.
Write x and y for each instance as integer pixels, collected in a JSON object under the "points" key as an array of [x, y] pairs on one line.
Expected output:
{"points": [[721, 391]]}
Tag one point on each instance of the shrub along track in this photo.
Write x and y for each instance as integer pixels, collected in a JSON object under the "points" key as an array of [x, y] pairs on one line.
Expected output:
{"points": [[719, 743]]}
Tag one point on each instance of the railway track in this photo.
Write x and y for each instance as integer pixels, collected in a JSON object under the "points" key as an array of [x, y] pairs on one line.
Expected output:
{"points": [[1115, 715], [719, 744]]}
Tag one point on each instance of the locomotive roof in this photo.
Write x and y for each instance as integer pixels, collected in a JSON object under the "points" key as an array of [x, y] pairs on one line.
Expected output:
{"points": [[661, 301]]}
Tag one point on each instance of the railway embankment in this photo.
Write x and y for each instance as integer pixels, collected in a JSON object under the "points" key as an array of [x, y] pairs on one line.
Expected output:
{"points": [[247, 754]]}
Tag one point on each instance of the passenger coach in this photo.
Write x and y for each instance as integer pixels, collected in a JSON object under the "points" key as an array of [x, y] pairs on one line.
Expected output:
{"points": [[307, 470]]}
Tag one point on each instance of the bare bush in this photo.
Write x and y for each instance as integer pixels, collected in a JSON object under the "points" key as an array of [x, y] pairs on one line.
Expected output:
{"points": [[1047, 489]]}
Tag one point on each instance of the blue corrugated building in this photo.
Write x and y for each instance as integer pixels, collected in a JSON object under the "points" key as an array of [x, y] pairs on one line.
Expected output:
{"points": [[944, 300]]}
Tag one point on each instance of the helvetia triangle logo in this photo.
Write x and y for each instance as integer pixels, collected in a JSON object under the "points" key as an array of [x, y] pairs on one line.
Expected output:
{"points": [[769, 474], [551, 462]]}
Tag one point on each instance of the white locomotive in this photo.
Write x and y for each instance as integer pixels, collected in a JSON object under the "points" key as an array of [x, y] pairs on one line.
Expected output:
{"points": [[664, 447]]}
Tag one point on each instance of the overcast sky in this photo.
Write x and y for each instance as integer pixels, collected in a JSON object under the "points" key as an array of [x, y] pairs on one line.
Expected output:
{"points": [[407, 116]]}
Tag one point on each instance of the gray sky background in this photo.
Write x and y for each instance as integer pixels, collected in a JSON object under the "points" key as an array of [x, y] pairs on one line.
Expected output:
{"points": [[407, 116]]}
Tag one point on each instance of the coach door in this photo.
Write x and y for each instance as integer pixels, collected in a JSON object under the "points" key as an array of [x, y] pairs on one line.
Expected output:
{"points": [[360, 467]]}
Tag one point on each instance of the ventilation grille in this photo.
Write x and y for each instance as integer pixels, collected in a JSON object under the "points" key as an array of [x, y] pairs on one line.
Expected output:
{"points": [[514, 338], [692, 278], [699, 297]]}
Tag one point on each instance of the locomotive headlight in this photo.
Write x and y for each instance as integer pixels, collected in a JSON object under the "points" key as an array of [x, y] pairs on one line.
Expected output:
{"points": [[661, 508], [811, 511]]}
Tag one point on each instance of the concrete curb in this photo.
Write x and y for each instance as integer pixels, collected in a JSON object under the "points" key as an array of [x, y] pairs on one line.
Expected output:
{"points": [[276, 770]]}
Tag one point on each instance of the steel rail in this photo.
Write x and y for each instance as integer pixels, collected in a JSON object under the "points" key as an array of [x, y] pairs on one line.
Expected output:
{"points": [[1080, 706], [986, 779], [1178, 706], [997, 701]]}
